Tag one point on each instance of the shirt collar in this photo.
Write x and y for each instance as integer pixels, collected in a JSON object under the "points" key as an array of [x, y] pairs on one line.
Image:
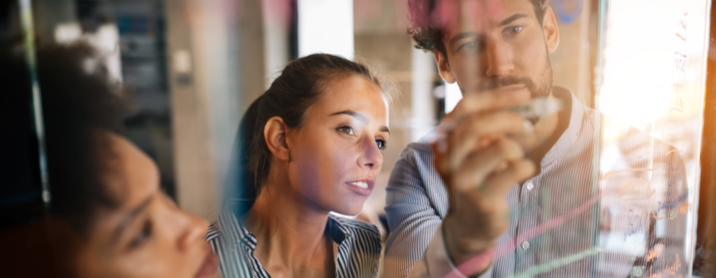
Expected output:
{"points": [[571, 134], [231, 227]]}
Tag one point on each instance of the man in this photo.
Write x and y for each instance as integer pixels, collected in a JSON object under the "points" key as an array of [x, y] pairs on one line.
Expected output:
{"points": [[497, 195]]}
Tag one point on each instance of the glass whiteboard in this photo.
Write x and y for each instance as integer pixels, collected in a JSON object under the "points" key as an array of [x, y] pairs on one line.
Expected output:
{"points": [[650, 92]]}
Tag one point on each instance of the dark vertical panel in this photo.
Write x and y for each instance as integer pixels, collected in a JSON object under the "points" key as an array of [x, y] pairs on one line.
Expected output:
{"points": [[293, 32], [705, 259]]}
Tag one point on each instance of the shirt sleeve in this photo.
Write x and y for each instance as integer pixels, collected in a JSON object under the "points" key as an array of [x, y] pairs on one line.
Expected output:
{"points": [[410, 209]]}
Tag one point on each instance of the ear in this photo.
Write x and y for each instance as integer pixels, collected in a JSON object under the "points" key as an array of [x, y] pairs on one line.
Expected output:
{"points": [[275, 136], [444, 67], [550, 29]]}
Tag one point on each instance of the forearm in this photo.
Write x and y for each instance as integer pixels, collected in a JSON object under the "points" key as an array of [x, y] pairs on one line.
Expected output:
{"points": [[436, 262]]}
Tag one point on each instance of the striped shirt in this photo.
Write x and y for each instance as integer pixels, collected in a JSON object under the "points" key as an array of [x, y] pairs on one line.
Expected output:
{"points": [[563, 222], [358, 243]]}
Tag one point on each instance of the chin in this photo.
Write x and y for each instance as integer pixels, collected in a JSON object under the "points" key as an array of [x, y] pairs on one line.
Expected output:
{"points": [[352, 211]]}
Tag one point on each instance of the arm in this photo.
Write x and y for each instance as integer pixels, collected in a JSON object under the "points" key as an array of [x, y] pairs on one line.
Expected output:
{"points": [[473, 163], [416, 204], [414, 215], [436, 262]]}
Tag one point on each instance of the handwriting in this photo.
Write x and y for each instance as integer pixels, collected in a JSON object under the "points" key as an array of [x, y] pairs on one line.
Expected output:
{"points": [[631, 187], [680, 61], [675, 267], [660, 158], [610, 174], [654, 253], [634, 224], [681, 32]]}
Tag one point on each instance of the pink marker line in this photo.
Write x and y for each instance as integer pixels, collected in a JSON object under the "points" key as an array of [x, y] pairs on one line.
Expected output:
{"points": [[503, 249]]}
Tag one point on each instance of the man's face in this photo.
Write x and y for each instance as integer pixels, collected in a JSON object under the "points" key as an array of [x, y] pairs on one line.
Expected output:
{"points": [[498, 43]]}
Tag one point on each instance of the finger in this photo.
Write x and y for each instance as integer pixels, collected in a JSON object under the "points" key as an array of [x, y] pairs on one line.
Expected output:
{"points": [[479, 165], [472, 130], [483, 101], [528, 138], [439, 158], [516, 172]]}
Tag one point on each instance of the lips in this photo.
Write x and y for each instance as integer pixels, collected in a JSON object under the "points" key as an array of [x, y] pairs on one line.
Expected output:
{"points": [[363, 187], [209, 266]]}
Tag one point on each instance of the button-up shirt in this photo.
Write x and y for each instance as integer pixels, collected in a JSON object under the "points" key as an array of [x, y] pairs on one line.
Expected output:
{"points": [[358, 246], [574, 219]]}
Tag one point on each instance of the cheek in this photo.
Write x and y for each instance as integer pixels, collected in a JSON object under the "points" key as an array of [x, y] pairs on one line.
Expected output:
{"points": [[531, 50], [160, 255], [319, 170], [315, 167]]}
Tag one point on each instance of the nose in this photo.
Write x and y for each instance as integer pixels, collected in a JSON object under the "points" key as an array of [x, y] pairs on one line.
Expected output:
{"points": [[194, 230], [497, 59], [371, 157]]}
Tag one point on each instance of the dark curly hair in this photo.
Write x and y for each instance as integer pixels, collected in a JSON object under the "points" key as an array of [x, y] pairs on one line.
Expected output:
{"points": [[427, 28], [77, 99]]}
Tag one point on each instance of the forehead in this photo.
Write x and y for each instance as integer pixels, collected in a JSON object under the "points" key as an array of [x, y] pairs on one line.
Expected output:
{"points": [[356, 93], [479, 15], [132, 174]]}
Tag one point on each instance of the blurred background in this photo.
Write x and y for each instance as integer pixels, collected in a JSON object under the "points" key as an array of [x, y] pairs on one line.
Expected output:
{"points": [[193, 66]]}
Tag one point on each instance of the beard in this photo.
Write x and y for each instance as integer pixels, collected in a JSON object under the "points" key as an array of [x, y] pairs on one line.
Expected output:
{"points": [[539, 87]]}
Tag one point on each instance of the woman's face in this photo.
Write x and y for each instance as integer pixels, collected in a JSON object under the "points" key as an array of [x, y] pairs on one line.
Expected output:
{"points": [[337, 153], [148, 235]]}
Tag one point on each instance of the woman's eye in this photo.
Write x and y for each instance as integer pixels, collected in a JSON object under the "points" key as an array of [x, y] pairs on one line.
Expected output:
{"points": [[143, 235], [380, 144], [514, 30], [346, 129]]}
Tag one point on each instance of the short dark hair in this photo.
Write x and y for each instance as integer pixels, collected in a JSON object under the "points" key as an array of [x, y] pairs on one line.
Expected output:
{"points": [[427, 30], [77, 100], [298, 87]]}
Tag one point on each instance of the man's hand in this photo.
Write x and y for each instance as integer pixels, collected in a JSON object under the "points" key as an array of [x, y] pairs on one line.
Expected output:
{"points": [[479, 155]]}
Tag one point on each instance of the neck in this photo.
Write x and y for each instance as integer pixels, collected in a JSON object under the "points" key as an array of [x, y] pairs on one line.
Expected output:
{"points": [[289, 229], [550, 135]]}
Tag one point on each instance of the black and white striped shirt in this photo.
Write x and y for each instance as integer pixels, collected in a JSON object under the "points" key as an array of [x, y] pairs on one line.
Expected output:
{"points": [[359, 247], [610, 219]]}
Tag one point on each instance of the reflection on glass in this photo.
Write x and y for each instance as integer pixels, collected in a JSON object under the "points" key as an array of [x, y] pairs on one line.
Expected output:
{"points": [[652, 97]]}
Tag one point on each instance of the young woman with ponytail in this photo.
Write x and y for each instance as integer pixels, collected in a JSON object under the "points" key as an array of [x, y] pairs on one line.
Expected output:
{"points": [[310, 145]]}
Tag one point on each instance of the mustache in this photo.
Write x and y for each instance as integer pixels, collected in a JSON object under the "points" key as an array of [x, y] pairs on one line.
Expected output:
{"points": [[507, 81]]}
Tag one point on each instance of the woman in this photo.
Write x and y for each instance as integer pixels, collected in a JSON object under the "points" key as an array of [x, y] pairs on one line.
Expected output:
{"points": [[107, 216], [311, 144]]}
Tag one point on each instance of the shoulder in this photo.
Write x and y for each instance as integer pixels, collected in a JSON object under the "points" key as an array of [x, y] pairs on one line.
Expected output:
{"points": [[416, 155]]}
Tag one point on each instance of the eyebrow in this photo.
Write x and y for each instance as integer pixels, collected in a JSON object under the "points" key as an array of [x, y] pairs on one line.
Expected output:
{"points": [[507, 21], [461, 36], [385, 129], [353, 114], [130, 217], [512, 18], [359, 117]]}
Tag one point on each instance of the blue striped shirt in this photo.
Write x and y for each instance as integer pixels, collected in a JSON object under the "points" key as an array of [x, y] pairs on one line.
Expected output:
{"points": [[359, 247], [616, 219]]}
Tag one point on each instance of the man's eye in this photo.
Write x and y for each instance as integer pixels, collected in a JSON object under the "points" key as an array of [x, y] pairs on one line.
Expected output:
{"points": [[380, 144], [143, 235], [346, 129], [470, 46], [514, 30]]}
